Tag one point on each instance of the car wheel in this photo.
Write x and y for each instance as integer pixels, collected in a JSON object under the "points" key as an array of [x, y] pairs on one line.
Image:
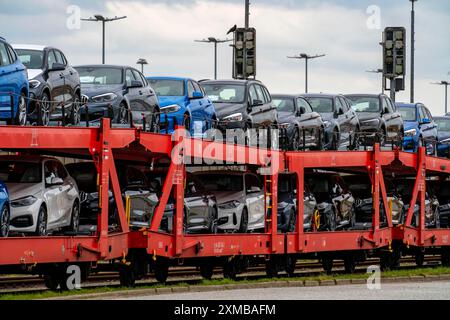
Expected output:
{"points": [[296, 143], [155, 126], [75, 219], [4, 222], [187, 123], [331, 220], [75, 116], [243, 226], [44, 110], [21, 115], [124, 114], [355, 144], [292, 221], [382, 138], [335, 141], [213, 221], [41, 226]]}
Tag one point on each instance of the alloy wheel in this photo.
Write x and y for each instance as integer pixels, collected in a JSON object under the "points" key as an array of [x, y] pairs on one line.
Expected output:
{"points": [[22, 111], [41, 229], [124, 115], [296, 141], [4, 222], [76, 116], [45, 110]]}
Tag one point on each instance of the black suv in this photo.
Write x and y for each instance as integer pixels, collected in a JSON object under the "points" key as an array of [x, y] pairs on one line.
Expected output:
{"points": [[53, 82], [120, 93], [300, 126], [341, 122], [378, 117], [241, 104]]}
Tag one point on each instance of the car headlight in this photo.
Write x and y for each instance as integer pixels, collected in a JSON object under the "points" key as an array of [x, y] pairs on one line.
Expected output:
{"points": [[234, 117], [34, 84], [23, 202], [230, 205], [282, 206], [171, 109], [107, 97], [410, 133], [327, 124]]}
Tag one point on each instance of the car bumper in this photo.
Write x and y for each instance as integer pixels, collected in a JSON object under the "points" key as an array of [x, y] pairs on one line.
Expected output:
{"points": [[95, 112], [410, 143], [24, 219], [444, 150], [229, 219]]}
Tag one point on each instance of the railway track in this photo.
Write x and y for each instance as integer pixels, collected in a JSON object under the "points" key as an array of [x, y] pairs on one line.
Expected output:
{"points": [[189, 275]]}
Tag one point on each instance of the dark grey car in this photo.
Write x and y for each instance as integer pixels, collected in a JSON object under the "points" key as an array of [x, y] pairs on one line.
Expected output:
{"points": [[53, 82], [378, 117], [300, 126], [341, 122], [120, 93], [241, 104]]}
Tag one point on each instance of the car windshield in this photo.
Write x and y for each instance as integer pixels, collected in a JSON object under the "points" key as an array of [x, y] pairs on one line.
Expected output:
{"points": [[443, 124], [222, 182], [284, 184], [284, 104], [32, 59], [408, 114], [167, 88], [321, 105], [225, 93], [365, 104], [20, 172], [100, 75], [85, 177]]}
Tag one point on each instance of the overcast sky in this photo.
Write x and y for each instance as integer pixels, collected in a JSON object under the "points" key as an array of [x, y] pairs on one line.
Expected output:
{"points": [[163, 32]]}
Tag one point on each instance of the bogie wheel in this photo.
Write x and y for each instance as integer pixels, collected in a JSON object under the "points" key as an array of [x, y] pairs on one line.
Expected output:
{"points": [[419, 257], [162, 270], [230, 268], [327, 264], [350, 264], [52, 281], [243, 226], [127, 276], [445, 257], [272, 267], [207, 270], [389, 260], [291, 262]]}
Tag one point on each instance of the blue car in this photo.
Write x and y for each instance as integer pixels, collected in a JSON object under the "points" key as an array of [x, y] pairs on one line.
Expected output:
{"points": [[4, 211], [420, 128], [13, 82], [443, 124], [183, 102]]}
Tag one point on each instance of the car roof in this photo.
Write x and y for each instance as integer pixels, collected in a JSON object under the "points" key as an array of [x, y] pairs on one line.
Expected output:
{"points": [[292, 96], [371, 95], [442, 118], [31, 47], [320, 95], [230, 81], [407, 105], [104, 66], [2, 39], [169, 78], [22, 158]]}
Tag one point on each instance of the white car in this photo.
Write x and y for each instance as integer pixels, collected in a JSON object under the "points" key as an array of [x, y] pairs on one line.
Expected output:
{"points": [[44, 197], [240, 199]]}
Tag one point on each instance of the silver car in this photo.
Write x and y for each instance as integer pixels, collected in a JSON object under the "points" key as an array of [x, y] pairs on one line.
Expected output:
{"points": [[44, 197], [240, 199]]}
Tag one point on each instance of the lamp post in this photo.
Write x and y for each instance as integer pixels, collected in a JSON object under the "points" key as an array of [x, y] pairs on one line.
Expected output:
{"points": [[142, 62], [413, 48], [103, 20], [444, 83], [215, 41], [306, 58]]}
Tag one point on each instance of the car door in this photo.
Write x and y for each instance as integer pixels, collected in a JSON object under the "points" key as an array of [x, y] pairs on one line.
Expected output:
{"points": [[209, 109], [426, 127], [266, 107], [389, 118], [256, 110], [133, 95], [55, 80], [309, 121], [66, 89], [51, 194], [433, 130], [343, 120], [255, 201], [8, 79], [199, 109], [196, 202], [67, 195]]}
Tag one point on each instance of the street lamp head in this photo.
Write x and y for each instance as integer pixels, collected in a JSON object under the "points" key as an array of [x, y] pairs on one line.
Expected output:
{"points": [[99, 17], [142, 61], [303, 55], [212, 39]]}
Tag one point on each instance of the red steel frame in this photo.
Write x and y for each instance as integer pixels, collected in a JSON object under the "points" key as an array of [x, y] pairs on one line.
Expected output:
{"points": [[105, 144]]}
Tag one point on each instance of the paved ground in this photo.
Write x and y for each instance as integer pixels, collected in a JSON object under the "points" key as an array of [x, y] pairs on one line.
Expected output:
{"points": [[391, 291]]}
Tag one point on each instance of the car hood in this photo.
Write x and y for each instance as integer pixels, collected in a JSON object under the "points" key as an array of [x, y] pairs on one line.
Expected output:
{"points": [[21, 190], [227, 196], [328, 116], [167, 101], [92, 90], [227, 109], [34, 73], [442, 135], [363, 116], [411, 125], [286, 117]]}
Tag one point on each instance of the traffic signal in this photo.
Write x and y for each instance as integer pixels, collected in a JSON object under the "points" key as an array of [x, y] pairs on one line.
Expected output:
{"points": [[394, 52], [244, 53]]}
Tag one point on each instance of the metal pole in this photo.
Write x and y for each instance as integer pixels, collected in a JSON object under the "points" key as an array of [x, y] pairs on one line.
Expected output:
{"points": [[413, 18], [247, 14], [215, 60], [306, 75], [393, 89], [103, 50], [446, 99]]}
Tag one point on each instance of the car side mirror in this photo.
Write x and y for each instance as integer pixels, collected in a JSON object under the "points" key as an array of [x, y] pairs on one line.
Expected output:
{"points": [[426, 121], [135, 84], [57, 67], [54, 181], [339, 112], [301, 111], [385, 111], [254, 190], [257, 103], [197, 95]]}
